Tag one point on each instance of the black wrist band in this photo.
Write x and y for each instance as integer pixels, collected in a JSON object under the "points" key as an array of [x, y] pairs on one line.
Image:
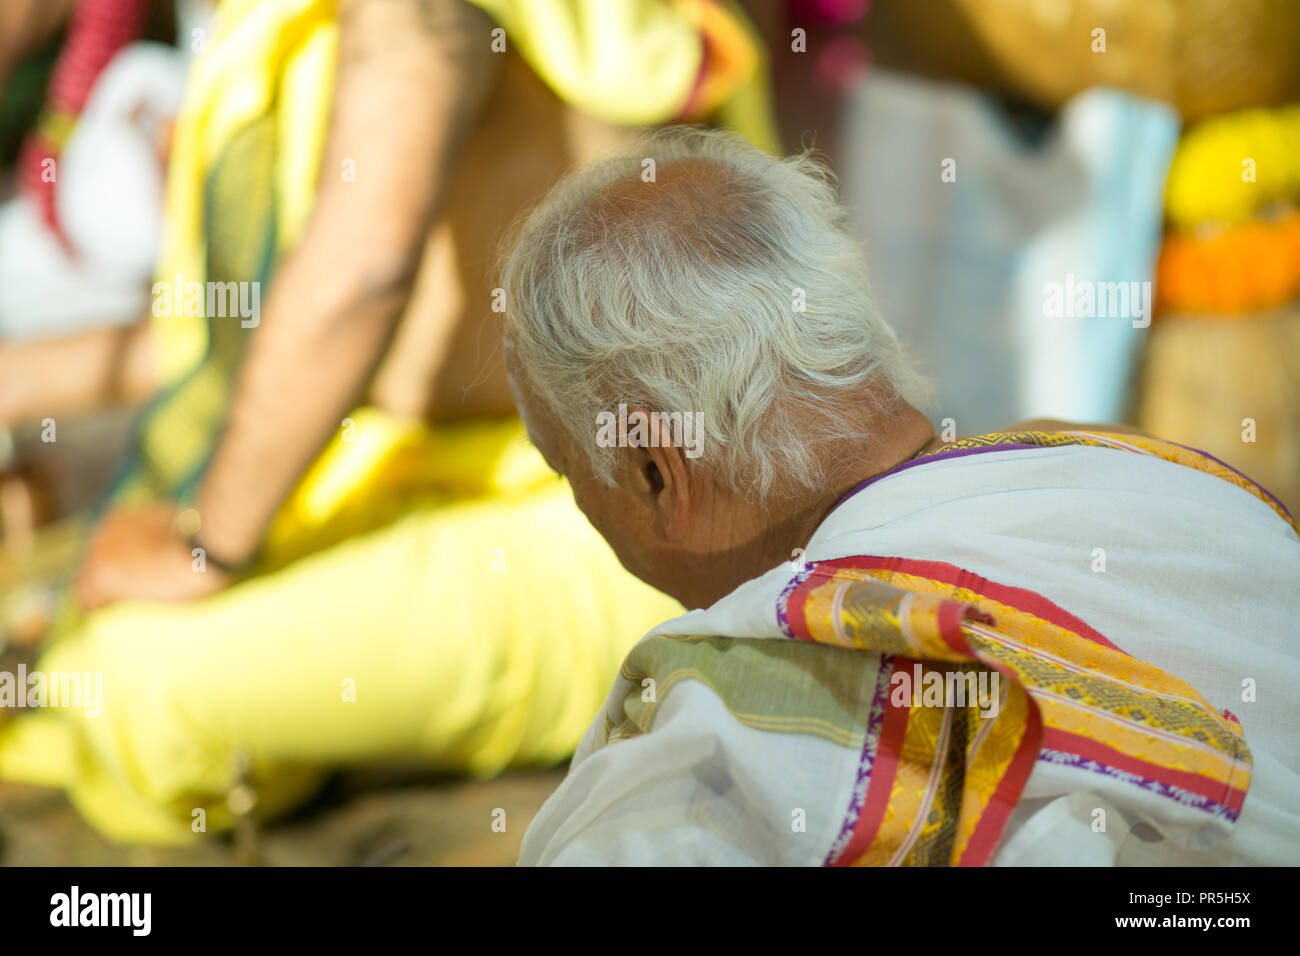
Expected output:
{"points": [[209, 558]]}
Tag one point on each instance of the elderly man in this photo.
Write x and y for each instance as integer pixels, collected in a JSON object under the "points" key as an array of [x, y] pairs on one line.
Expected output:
{"points": [[1046, 645]]}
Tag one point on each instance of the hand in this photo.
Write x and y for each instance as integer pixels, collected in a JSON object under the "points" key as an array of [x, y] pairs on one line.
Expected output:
{"points": [[140, 555]]}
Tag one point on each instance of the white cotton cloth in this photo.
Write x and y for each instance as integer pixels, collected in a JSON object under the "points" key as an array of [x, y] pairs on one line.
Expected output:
{"points": [[1201, 579], [108, 200], [960, 268]]}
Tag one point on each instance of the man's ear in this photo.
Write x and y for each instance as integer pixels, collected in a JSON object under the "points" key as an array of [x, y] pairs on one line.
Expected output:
{"points": [[661, 472]]}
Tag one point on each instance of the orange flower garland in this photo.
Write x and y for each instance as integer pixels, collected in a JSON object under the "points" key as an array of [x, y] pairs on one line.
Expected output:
{"points": [[1252, 266]]}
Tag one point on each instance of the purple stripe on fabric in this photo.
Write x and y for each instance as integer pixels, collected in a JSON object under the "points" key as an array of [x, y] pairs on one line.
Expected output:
{"points": [[933, 456], [782, 620], [1240, 474], [865, 762], [1182, 797], [963, 452]]}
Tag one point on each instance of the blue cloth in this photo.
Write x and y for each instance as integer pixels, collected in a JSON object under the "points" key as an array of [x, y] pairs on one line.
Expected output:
{"points": [[966, 270]]}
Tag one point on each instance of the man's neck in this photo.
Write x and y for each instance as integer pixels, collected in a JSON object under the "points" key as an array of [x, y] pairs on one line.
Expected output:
{"points": [[913, 438], [783, 527]]}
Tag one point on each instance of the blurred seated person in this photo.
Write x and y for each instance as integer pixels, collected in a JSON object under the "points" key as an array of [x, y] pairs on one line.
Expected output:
{"points": [[332, 543]]}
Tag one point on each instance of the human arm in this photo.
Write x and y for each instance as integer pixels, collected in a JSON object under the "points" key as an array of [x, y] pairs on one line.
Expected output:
{"points": [[413, 76]]}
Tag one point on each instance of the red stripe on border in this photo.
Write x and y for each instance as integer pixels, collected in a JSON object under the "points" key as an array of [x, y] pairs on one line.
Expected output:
{"points": [[893, 728], [950, 628], [1208, 787], [1022, 599], [988, 832]]}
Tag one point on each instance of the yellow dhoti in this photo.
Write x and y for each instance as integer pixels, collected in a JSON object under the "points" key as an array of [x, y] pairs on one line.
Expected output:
{"points": [[479, 629]]}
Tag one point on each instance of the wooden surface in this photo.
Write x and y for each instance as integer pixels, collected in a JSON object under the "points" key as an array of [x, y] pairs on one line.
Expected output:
{"points": [[358, 821]]}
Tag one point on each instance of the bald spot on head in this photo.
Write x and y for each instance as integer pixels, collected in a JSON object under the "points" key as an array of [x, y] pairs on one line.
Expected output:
{"points": [[700, 203]]}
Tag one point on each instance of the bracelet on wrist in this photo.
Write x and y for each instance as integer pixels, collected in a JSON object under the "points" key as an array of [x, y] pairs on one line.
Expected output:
{"points": [[227, 567]]}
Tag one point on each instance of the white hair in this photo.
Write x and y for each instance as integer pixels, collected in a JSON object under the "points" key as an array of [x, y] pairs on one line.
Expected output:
{"points": [[682, 293]]}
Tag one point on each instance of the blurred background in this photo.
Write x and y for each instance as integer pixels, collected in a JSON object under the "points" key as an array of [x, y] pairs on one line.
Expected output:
{"points": [[1074, 209]]}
